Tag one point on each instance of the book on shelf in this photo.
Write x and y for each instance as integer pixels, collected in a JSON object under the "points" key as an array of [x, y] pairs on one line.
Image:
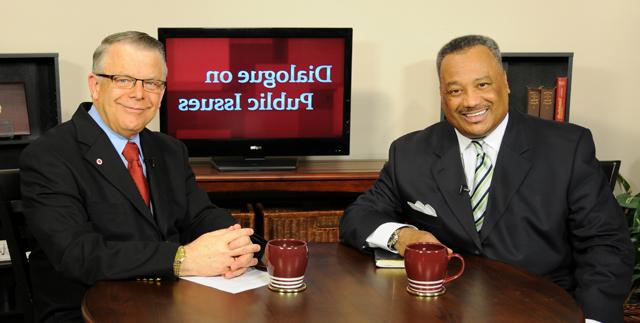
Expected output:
{"points": [[533, 101], [547, 102], [561, 98], [387, 259]]}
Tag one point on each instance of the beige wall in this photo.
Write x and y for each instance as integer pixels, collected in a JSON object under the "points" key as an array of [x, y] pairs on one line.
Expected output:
{"points": [[394, 79]]}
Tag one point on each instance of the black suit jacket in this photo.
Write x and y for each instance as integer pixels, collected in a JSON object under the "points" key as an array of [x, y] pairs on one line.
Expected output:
{"points": [[550, 211], [89, 220]]}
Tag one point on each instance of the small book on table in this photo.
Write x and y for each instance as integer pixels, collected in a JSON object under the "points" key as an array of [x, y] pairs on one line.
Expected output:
{"points": [[387, 259]]}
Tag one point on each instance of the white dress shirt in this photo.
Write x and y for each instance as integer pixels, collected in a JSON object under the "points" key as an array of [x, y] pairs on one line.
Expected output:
{"points": [[491, 146]]}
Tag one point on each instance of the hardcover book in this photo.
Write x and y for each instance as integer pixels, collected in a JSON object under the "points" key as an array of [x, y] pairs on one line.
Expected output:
{"points": [[533, 101], [561, 98], [387, 259], [14, 118], [547, 102]]}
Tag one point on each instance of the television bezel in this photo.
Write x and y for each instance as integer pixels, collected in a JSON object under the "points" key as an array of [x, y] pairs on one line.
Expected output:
{"points": [[265, 147]]}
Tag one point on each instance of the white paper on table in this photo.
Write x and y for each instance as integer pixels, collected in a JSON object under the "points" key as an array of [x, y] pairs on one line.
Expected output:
{"points": [[251, 279]]}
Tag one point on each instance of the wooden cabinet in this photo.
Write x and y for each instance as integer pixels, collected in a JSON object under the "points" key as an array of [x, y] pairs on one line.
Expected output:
{"points": [[305, 203]]}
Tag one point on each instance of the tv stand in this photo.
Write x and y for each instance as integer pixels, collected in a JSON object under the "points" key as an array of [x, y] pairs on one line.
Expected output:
{"points": [[305, 203], [227, 164]]}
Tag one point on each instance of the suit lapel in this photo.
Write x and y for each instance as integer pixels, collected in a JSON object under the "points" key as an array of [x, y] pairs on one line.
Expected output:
{"points": [[449, 175], [103, 157], [512, 167], [157, 181]]}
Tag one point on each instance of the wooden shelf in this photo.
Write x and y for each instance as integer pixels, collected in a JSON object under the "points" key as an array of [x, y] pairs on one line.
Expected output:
{"points": [[310, 176]]}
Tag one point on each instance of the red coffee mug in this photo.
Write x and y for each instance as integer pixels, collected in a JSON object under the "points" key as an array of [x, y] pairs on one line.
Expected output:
{"points": [[426, 265], [286, 261]]}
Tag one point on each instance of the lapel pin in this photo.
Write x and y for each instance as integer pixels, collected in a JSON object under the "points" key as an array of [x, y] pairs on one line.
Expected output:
{"points": [[99, 161]]}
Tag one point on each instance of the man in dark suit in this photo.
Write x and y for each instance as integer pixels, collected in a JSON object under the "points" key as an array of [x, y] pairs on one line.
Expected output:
{"points": [[108, 199], [491, 181]]}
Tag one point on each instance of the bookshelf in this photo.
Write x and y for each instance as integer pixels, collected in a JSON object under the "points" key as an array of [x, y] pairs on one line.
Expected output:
{"points": [[39, 74], [536, 69]]}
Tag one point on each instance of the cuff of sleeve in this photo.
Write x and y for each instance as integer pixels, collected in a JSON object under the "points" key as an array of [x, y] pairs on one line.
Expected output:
{"points": [[380, 237]]}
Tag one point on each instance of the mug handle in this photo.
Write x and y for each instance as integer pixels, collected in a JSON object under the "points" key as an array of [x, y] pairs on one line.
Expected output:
{"points": [[450, 278]]}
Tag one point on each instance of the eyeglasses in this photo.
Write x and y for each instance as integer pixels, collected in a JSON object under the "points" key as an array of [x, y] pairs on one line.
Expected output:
{"points": [[128, 82]]}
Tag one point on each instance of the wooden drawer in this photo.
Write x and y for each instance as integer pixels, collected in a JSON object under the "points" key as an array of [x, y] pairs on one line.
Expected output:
{"points": [[311, 224], [245, 215]]}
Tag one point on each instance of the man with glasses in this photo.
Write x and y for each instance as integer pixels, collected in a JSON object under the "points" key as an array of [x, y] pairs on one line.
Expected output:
{"points": [[108, 199]]}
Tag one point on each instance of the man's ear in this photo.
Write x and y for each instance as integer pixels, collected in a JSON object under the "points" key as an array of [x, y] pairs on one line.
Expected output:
{"points": [[94, 87], [506, 82], [442, 105], [441, 92]]}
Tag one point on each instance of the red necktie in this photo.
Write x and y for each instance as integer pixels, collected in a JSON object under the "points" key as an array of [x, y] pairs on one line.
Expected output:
{"points": [[130, 153]]}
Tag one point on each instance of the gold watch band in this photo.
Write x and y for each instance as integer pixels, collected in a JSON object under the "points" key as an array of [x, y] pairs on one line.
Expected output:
{"points": [[177, 262]]}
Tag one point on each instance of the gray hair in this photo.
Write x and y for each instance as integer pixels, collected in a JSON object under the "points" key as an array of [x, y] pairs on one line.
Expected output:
{"points": [[465, 42], [137, 38]]}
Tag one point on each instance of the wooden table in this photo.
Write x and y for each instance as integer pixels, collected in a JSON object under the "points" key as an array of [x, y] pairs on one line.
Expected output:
{"points": [[343, 286], [310, 176]]}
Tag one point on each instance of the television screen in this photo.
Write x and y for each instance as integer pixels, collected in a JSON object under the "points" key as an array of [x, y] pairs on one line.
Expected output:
{"points": [[258, 92]]}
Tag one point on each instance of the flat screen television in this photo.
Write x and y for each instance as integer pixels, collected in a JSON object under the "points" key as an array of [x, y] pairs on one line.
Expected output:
{"points": [[258, 98]]}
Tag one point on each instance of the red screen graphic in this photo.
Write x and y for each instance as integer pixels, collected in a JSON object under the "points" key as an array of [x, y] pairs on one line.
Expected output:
{"points": [[246, 88]]}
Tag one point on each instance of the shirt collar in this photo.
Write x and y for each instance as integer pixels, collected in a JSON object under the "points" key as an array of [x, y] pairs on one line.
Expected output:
{"points": [[117, 140], [493, 139]]}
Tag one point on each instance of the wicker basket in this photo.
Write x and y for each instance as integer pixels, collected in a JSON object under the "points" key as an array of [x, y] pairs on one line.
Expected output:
{"points": [[245, 215], [304, 223], [632, 312]]}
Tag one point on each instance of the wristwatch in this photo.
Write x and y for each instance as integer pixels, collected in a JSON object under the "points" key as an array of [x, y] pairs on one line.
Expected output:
{"points": [[393, 240], [177, 262]]}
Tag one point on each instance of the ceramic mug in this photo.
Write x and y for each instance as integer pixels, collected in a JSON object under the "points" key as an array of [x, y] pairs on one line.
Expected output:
{"points": [[426, 266], [286, 261]]}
